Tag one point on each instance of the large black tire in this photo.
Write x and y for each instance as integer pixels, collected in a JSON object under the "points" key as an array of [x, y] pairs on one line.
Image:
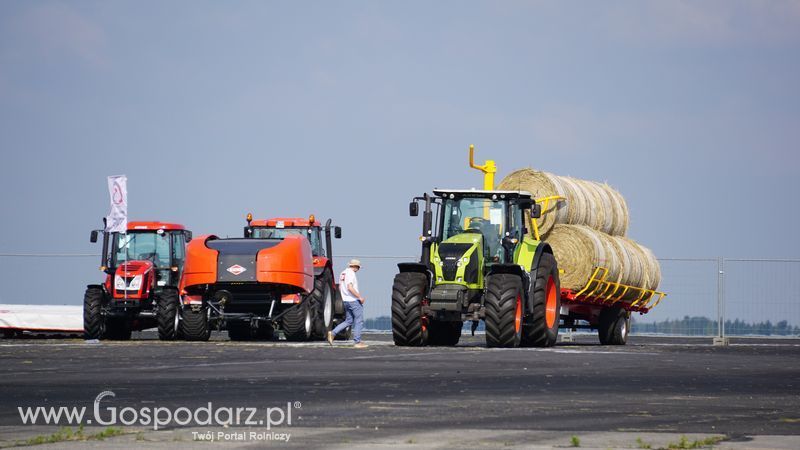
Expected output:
{"points": [[94, 324], [444, 333], [168, 302], [408, 291], [503, 303], [614, 325], [194, 324], [541, 325], [118, 329], [297, 323], [322, 307]]}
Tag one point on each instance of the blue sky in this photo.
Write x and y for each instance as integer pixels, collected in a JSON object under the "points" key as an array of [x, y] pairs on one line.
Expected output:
{"points": [[348, 109]]}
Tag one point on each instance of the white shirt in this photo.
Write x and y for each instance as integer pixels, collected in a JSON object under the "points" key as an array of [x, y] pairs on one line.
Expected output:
{"points": [[348, 276]]}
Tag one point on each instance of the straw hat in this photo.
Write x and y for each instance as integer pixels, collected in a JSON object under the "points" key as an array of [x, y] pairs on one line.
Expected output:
{"points": [[355, 263]]}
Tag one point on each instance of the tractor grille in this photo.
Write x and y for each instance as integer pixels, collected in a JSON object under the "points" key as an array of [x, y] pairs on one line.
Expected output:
{"points": [[450, 254]]}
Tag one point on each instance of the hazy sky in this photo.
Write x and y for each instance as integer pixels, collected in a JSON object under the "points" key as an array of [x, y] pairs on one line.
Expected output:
{"points": [[348, 109]]}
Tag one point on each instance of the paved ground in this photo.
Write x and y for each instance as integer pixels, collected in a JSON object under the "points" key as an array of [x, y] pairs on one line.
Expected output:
{"points": [[652, 389]]}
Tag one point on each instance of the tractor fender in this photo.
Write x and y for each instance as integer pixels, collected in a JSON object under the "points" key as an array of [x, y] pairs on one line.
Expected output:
{"points": [[542, 248], [417, 268], [102, 287]]}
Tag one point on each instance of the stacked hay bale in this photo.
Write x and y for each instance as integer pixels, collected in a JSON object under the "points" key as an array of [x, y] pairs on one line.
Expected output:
{"points": [[587, 230]]}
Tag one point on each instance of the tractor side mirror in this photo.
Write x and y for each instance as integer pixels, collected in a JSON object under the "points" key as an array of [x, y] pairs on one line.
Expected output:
{"points": [[188, 235], [525, 203], [337, 232], [536, 211], [413, 209], [93, 236]]}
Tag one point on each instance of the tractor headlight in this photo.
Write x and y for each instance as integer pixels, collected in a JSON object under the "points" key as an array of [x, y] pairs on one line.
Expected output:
{"points": [[119, 283], [136, 283]]}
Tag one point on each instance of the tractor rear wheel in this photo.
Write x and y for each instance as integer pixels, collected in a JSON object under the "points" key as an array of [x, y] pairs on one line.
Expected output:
{"points": [[615, 323], [297, 322], [322, 305], [194, 324], [168, 319], [93, 321], [541, 328], [408, 324], [444, 333], [503, 303]]}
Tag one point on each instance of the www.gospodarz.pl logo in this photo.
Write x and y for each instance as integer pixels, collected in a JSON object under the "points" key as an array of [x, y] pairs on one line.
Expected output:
{"points": [[157, 416]]}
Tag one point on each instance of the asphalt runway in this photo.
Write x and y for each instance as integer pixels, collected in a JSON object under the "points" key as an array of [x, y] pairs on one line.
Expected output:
{"points": [[652, 385]]}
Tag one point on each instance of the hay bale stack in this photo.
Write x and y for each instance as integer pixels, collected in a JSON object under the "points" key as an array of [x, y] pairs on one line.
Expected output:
{"points": [[588, 203], [580, 249]]}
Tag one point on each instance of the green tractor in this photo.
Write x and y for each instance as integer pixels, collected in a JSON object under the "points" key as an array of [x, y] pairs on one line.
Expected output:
{"points": [[479, 262]]}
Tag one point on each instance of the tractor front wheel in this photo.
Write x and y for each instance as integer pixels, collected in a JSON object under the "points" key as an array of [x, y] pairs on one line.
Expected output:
{"points": [[93, 321], [503, 303], [168, 302], [615, 323], [408, 324], [297, 322], [194, 323], [541, 328]]}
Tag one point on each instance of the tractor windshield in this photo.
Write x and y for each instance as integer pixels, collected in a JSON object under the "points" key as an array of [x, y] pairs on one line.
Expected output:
{"points": [[143, 245], [311, 233], [476, 215]]}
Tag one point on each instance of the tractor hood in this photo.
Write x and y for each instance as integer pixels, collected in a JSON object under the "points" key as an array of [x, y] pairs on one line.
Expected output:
{"points": [[459, 259]]}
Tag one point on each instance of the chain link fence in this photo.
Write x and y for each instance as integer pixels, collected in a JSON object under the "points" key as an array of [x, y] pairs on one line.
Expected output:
{"points": [[711, 297]]}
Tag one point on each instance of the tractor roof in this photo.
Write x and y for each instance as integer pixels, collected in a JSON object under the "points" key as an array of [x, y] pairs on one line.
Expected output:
{"points": [[287, 222], [474, 193], [145, 226]]}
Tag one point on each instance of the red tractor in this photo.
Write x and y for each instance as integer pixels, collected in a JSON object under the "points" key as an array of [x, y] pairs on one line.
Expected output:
{"points": [[324, 305], [249, 286], [143, 268]]}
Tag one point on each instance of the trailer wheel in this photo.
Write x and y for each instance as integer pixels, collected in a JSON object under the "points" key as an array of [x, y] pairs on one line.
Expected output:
{"points": [[503, 304], [168, 318], [322, 305], [541, 328], [194, 324], [614, 326], [445, 334], [408, 324], [297, 322], [93, 320], [117, 329]]}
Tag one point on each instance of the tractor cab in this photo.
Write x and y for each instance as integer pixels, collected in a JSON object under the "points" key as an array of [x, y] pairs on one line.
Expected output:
{"points": [[311, 228], [150, 255], [472, 231]]}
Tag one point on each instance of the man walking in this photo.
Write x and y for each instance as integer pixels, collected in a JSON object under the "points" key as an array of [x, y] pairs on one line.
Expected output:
{"points": [[353, 304]]}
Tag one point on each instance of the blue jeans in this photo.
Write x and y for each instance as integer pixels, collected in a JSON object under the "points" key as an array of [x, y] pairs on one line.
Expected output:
{"points": [[354, 312]]}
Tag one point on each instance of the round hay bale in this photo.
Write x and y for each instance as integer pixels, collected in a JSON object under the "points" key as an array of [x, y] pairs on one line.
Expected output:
{"points": [[576, 253], [587, 203], [540, 185], [652, 268], [579, 250]]}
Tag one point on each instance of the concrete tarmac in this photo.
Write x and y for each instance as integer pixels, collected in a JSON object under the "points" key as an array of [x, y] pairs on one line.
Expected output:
{"points": [[653, 391]]}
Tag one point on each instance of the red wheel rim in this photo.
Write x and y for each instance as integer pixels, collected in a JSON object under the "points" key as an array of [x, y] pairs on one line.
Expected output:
{"points": [[551, 315], [518, 314]]}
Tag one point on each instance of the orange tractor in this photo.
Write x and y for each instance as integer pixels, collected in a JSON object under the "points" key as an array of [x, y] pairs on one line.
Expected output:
{"points": [[143, 268], [250, 286], [324, 304]]}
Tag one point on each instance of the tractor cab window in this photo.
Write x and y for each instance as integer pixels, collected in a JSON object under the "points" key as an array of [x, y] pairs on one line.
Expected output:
{"points": [[312, 234], [142, 246], [476, 215], [178, 248]]}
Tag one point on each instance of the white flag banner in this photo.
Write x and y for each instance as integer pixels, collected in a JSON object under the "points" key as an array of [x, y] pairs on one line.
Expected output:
{"points": [[117, 220]]}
